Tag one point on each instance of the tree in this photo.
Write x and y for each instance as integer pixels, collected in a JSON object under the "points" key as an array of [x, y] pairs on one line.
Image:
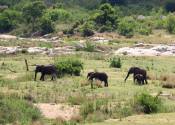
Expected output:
{"points": [[4, 23], [106, 15], [170, 6], [170, 23], [47, 25], [58, 6], [115, 2], [34, 10]]}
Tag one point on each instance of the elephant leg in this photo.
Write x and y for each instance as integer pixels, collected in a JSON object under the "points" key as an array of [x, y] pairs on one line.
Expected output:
{"points": [[106, 83], [145, 80]]}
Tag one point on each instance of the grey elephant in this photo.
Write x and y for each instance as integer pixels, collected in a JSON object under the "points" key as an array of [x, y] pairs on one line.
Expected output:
{"points": [[89, 74], [139, 78], [137, 70], [102, 76], [45, 70]]}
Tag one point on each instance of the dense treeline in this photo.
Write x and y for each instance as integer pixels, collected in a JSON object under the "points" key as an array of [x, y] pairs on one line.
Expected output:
{"points": [[23, 17]]}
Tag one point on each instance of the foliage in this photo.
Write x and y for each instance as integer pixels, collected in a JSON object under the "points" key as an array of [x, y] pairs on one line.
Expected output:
{"points": [[106, 16], [170, 23], [68, 65], [87, 108], [86, 29], [146, 31], [89, 47], [17, 110], [150, 104], [115, 2], [169, 6], [126, 28], [20, 5], [115, 62], [59, 6], [24, 51], [34, 10], [9, 20], [4, 23], [59, 15], [2, 8], [47, 25]]}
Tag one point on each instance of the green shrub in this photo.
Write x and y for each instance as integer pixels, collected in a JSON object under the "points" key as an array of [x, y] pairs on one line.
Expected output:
{"points": [[24, 51], [59, 15], [150, 104], [68, 65], [89, 47], [170, 23], [127, 27], [146, 31], [75, 24], [86, 29], [46, 25], [17, 110], [115, 62]]}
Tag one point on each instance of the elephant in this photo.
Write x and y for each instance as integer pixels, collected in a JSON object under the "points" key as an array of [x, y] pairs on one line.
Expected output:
{"points": [[45, 70], [139, 78], [137, 70], [102, 76], [88, 75]]}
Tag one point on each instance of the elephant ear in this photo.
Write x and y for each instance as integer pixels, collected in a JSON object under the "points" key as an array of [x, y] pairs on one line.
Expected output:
{"points": [[42, 68]]}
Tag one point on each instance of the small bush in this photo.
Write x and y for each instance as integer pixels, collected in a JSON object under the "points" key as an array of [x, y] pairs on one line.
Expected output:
{"points": [[150, 104], [86, 29], [98, 84], [68, 65], [125, 53], [164, 77], [76, 118], [84, 83], [24, 51], [89, 47], [146, 31], [115, 62], [168, 84]]}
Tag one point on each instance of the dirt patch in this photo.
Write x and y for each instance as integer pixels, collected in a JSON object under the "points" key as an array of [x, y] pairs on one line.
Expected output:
{"points": [[11, 76], [55, 110], [166, 36]]}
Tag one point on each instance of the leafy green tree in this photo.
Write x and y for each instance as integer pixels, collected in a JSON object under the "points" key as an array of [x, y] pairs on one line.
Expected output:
{"points": [[47, 25], [34, 10], [59, 6], [4, 23], [59, 15], [86, 29], [170, 23], [127, 27], [106, 16]]}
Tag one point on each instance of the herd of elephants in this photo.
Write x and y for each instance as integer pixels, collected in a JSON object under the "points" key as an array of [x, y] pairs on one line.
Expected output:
{"points": [[139, 74]]}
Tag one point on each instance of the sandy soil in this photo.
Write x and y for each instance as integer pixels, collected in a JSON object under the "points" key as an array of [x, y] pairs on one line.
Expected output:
{"points": [[55, 110], [11, 76]]}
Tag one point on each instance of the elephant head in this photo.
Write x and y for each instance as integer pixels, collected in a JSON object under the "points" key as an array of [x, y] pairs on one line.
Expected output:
{"points": [[38, 69], [131, 70], [139, 78], [89, 74]]}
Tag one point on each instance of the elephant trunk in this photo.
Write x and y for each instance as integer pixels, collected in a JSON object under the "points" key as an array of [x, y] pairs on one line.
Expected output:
{"points": [[127, 76]]}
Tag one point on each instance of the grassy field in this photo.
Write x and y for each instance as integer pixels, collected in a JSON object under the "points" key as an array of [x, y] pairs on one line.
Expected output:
{"points": [[115, 101], [22, 83]]}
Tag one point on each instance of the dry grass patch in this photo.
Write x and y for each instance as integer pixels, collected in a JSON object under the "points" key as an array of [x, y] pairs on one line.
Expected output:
{"points": [[98, 84], [76, 118], [84, 83], [150, 76], [59, 120], [170, 82], [164, 77]]}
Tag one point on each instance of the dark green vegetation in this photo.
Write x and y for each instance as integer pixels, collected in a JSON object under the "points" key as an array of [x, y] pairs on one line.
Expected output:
{"points": [[22, 18]]}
